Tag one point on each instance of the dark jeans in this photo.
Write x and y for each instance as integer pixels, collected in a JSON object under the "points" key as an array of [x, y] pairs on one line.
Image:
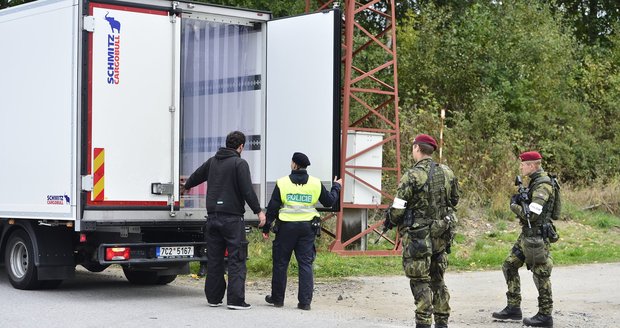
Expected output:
{"points": [[298, 237], [226, 231]]}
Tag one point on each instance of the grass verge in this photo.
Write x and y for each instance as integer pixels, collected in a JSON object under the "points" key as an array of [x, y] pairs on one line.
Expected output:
{"points": [[483, 243]]}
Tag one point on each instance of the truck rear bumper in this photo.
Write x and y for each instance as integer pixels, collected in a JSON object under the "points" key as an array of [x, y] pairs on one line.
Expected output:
{"points": [[152, 253]]}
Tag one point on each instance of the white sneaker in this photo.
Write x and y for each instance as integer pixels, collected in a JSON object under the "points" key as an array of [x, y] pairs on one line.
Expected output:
{"points": [[242, 306]]}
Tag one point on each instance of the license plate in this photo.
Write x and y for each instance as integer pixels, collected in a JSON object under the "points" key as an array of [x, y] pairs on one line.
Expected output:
{"points": [[175, 251]]}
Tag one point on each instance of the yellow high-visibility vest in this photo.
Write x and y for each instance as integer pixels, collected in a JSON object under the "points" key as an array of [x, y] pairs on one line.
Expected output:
{"points": [[298, 200]]}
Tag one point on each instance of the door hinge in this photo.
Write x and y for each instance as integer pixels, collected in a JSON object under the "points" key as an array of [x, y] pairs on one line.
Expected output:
{"points": [[87, 183], [89, 23]]}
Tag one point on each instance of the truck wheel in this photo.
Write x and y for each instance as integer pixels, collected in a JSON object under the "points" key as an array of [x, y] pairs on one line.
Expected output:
{"points": [[164, 280], [19, 258], [140, 277]]}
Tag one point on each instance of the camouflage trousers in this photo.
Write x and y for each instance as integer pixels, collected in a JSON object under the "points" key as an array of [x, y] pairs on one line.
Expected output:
{"points": [[541, 273], [427, 285]]}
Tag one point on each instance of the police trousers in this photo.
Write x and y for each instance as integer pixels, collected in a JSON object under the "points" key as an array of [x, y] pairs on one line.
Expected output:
{"points": [[226, 232], [298, 237], [541, 274]]}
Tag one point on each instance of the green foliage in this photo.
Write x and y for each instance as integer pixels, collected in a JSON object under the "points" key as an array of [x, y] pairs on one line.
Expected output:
{"points": [[511, 79], [592, 20], [279, 8], [12, 3]]}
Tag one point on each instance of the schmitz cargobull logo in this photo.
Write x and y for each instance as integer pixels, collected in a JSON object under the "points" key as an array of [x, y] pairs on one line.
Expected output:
{"points": [[114, 51], [58, 199]]}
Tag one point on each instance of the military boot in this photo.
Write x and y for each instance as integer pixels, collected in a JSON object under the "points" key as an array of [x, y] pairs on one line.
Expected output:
{"points": [[422, 325], [509, 313], [440, 325], [539, 320]]}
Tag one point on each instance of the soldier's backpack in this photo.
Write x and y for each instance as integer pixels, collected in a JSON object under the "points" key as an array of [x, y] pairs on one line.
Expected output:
{"points": [[557, 202]]}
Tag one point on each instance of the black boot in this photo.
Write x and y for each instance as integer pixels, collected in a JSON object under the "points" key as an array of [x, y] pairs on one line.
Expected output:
{"points": [[422, 325], [509, 313], [441, 325], [269, 300], [539, 320]]}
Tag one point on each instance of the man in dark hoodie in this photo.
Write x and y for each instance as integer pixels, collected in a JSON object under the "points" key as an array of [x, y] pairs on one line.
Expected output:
{"points": [[229, 188], [292, 207]]}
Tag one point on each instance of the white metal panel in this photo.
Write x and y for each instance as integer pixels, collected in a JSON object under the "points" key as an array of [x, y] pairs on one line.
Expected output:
{"points": [[355, 191], [38, 110], [300, 89], [130, 116]]}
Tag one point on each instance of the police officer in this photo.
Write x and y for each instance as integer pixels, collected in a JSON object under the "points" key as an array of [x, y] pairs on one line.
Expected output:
{"points": [[423, 210], [292, 208], [531, 248]]}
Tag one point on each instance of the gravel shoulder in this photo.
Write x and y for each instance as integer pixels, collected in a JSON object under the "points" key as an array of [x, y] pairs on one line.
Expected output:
{"points": [[584, 296]]}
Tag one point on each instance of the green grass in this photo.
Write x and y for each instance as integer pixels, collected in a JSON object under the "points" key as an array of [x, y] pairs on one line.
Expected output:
{"points": [[587, 237]]}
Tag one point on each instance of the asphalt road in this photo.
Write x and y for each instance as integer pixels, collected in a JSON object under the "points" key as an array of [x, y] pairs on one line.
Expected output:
{"points": [[585, 296]]}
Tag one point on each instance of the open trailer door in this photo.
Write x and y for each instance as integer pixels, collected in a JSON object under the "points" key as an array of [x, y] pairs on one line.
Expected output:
{"points": [[132, 113], [303, 95]]}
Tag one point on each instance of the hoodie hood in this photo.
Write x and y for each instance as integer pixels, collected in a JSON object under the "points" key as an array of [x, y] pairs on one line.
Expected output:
{"points": [[224, 152]]}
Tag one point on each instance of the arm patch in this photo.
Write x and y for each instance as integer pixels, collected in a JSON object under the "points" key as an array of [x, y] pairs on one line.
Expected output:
{"points": [[536, 208]]}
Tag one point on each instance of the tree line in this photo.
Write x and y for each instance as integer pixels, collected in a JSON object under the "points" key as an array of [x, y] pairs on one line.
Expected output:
{"points": [[513, 75]]}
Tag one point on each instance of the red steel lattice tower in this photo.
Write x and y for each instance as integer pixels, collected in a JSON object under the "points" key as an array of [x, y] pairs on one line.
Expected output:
{"points": [[369, 104]]}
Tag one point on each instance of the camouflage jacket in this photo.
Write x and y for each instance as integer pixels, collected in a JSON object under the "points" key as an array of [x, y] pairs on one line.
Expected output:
{"points": [[414, 189], [540, 193]]}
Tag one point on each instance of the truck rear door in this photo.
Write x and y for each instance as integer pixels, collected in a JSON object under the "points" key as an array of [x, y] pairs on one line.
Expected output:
{"points": [[132, 110]]}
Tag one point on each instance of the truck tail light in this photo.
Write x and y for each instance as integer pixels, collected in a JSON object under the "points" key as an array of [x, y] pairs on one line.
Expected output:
{"points": [[117, 253]]}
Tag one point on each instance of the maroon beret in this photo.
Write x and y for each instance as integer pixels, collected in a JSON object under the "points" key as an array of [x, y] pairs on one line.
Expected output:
{"points": [[425, 138], [530, 156]]}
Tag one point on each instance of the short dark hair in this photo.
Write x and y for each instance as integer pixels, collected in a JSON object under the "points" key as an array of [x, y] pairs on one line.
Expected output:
{"points": [[235, 139], [425, 148]]}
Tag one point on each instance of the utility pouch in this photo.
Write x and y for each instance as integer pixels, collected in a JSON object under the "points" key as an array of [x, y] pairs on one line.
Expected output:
{"points": [[419, 245], [243, 250], [316, 225], [442, 234], [439, 227], [534, 250], [408, 218], [276, 226]]}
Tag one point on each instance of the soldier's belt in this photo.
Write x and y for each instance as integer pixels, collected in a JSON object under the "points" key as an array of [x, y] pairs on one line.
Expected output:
{"points": [[530, 232]]}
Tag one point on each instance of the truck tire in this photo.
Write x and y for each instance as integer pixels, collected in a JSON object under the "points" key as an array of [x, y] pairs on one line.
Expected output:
{"points": [[137, 277], [164, 280], [19, 261]]}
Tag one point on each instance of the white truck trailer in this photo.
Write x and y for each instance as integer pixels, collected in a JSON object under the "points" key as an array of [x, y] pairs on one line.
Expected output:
{"points": [[106, 106]]}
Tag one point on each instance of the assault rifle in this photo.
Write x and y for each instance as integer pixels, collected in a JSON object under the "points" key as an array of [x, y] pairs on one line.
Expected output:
{"points": [[523, 199], [387, 224], [407, 221]]}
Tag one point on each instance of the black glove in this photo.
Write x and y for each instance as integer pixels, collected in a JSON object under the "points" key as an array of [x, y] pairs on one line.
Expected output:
{"points": [[387, 224], [514, 199]]}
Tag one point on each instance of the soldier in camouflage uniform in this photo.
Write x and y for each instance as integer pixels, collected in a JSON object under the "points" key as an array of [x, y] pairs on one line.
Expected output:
{"points": [[423, 210], [531, 247]]}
